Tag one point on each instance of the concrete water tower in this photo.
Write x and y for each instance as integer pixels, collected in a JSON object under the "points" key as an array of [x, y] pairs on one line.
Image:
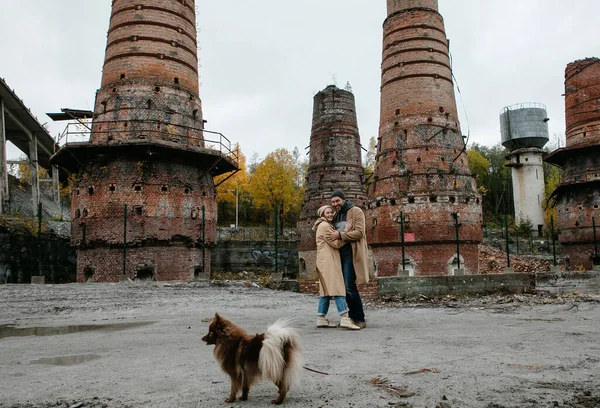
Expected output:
{"points": [[524, 129]]}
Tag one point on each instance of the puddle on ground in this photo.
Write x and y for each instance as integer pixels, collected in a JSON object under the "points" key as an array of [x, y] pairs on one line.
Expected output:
{"points": [[66, 360], [11, 331]]}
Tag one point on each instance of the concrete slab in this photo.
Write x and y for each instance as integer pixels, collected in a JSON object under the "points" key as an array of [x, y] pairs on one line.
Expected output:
{"points": [[515, 350]]}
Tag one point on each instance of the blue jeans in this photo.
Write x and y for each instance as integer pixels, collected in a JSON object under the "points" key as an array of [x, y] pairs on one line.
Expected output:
{"points": [[340, 303], [356, 311]]}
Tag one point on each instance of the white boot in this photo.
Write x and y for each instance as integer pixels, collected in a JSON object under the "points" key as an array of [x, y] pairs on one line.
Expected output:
{"points": [[322, 321], [347, 323]]}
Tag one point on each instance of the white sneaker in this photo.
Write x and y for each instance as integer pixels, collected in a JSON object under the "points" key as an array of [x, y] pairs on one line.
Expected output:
{"points": [[322, 322], [346, 323]]}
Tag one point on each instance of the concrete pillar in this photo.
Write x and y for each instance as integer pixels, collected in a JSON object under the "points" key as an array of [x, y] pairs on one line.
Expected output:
{"points": [[4, 197], [35, 181], [56, 187]]}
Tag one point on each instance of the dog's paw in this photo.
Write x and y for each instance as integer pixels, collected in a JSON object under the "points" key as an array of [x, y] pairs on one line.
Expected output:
{"points": [[277, 401], [230, 400], [244, 398]]}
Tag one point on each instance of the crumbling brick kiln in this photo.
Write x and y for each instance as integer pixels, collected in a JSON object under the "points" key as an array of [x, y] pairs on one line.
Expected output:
{"points": [[578, 197], [421, 170], [144, 201], [334, 162]]}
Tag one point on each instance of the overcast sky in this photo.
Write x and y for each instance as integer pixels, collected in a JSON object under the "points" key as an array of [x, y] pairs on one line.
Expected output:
{"points": [[262, 61]]}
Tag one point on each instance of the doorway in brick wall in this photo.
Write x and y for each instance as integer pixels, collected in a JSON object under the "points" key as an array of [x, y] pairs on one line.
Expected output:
{"points": [[145, 274]]}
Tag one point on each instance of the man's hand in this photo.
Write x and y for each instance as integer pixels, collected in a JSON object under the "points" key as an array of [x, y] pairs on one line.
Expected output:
{"points": [[348, 226], [333, 236]]}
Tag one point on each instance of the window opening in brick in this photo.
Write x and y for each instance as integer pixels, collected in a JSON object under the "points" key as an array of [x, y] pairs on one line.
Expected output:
{"points": [[137, 187], [112, 188], [164, 189], [176, 80], [433, 199], [411, 200], [195, 114], [392, 202], [441, 109], [596, 206], [122, 76], [442, 158], [187, 190], [114, 90], [204, 194], [77, 213], [125, 124], [452, 199], [88, 274], [138, 210], [149, 103], [157, 89], [577, 223], [90, 190], [397, 111], [198, 271], [419, 159], [467, 200], [144, 274], [103, 103]]}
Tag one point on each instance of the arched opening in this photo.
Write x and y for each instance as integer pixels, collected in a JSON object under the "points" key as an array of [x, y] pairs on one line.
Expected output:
{"points": [[145, 274], [88, 274]]}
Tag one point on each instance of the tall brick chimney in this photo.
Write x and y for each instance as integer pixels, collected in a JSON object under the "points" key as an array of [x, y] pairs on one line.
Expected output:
{"points": [[578, 196], [147, 153], [334, 162], [421, 164]]}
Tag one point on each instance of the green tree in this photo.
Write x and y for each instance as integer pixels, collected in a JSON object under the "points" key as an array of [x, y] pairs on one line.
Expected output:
{"points": [[479, 167]]}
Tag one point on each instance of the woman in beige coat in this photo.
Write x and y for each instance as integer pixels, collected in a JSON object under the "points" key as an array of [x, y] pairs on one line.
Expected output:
{"points": [[329, 270]]}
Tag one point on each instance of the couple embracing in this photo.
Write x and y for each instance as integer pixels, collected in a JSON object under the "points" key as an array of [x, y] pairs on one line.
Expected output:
{"points": [[341, 261]]}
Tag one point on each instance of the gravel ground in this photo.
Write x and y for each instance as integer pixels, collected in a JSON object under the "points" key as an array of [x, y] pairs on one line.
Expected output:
{"points": [[138, 345]]}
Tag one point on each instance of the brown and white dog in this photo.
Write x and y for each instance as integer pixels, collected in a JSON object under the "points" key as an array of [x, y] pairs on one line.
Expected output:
{"points": [[274, 355]]}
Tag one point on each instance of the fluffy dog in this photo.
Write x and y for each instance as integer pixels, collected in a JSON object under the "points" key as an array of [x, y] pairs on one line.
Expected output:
{"points": [[274, 355]]}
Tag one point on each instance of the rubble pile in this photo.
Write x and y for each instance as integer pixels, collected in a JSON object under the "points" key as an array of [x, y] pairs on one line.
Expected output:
{"points": [[492, 260]]}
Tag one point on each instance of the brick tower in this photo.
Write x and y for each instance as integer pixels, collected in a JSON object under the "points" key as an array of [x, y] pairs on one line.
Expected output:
{"points": [[421, 165], [335, 162], [578, 197], [144, 203]]}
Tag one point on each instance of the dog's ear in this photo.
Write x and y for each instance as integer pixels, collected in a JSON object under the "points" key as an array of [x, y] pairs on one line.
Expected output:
{"points": [[217, 317]]}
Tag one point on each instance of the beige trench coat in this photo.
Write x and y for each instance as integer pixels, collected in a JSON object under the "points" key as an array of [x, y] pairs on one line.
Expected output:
{"points": [[329, 264], [358, 238]]}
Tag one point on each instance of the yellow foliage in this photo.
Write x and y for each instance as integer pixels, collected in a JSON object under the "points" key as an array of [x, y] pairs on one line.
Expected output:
{"points": [[274, 182], [236, 183]]}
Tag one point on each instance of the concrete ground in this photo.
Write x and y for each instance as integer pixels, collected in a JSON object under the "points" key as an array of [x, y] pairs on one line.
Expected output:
{"points": [[144, 349]]}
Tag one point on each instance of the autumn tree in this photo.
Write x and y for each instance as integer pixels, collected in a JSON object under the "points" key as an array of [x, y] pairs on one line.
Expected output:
{"points": [[232, 190], [369, 161], [496, 182], [274, 185], [479, 167]]}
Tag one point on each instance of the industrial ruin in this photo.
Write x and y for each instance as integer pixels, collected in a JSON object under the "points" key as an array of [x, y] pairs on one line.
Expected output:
{"points": [[144, 202], [423, 211], [334, 162], [524, 130], [577, 199]]}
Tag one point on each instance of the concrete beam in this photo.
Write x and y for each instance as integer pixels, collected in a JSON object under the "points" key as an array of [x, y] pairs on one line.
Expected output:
{"points": [[4, 193]]}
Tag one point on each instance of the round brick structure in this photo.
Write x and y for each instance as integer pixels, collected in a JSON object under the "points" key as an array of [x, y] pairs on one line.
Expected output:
{"points": [[144, 202], [578, 196], [421, 168], [334, 162]]}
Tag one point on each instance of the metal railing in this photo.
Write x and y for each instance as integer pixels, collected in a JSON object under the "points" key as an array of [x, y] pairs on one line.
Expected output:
{"points": [[146, 130]]}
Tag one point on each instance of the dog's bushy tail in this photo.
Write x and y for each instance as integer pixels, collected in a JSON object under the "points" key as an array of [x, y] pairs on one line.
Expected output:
{"points": [[280, 358]]}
